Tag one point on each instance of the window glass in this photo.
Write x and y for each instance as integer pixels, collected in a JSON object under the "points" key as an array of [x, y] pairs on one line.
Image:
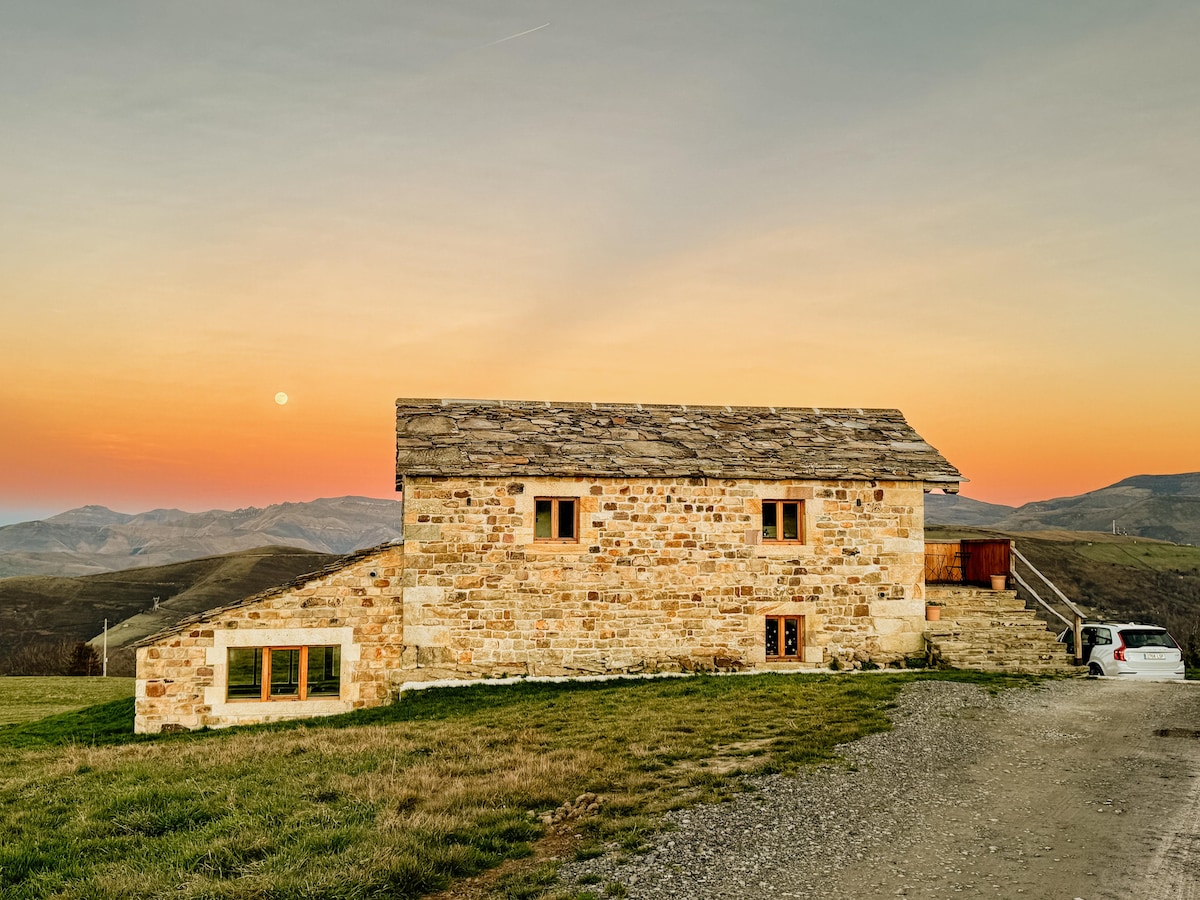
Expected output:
{"points": [[1137, 639], [324, 671], [1101, 636], [791, 637], [772, 637], [791, 521], [566, 520], [544, 519], [770, 529], [245, 673], [285, 672]]}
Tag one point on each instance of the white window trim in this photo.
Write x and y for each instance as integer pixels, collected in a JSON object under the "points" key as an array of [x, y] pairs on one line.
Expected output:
{"points": [[217, 656]]}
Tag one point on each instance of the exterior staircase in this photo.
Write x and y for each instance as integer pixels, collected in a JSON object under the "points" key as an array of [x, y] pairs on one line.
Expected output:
{"points": [[991, 631]]}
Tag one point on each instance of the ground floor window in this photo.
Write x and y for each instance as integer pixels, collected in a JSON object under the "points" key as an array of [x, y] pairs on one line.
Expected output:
{"points": [[285, 673], [783, 636]]}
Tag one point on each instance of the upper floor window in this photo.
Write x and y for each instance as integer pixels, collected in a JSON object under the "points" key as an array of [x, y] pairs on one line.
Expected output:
{"points": [[556, 519], [783, 520]]}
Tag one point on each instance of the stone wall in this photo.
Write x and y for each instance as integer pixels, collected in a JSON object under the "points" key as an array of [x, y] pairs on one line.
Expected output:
{"points": [[668, 574], [181, 678]]}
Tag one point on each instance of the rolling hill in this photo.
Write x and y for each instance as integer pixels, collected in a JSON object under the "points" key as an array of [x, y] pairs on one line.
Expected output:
{"points": [[137, 602], [1165, 507]]}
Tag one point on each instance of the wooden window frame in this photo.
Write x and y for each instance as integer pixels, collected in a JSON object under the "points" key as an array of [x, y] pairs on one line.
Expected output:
{"points": [[265, 676], [555, 504], [779, 505], [777, 656]]}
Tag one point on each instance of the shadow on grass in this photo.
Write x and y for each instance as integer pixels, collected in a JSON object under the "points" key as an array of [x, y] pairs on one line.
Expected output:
{"points": [[98, 726], [111, 723]]}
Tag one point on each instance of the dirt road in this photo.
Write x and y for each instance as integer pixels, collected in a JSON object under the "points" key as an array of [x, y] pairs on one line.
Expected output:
{"points": [[1078, 795], [1079, 789]]}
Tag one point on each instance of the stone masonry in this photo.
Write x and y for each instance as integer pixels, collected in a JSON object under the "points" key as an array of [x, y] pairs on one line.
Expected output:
{"points": [[354, 604], [667, 574], [992, 631]]}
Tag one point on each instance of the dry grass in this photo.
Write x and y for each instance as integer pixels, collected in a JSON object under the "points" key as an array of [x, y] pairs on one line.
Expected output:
{"points": [[399, 802]]}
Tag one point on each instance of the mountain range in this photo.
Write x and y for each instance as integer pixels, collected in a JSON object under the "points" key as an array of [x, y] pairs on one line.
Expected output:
{"points": [[1164, 507], [94, 539]]}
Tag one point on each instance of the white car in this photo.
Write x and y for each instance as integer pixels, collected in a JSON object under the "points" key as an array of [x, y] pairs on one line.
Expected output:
{"points": [[1129, 650]]}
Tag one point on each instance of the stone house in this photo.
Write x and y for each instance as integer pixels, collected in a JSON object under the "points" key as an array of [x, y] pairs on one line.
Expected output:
{"points": [[579, 538]]}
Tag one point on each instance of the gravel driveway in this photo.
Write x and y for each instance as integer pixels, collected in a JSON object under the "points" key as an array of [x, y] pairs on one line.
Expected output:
{"points": [[1074, 789]]}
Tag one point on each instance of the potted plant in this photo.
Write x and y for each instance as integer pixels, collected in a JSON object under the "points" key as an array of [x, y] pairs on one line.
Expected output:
{"points": [[933, 611], [999, 582]]}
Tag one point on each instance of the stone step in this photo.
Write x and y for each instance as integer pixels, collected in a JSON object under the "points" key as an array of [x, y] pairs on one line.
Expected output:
{"points": [[1015, 606], [992, 631], [940, 591], [1020, 633]]}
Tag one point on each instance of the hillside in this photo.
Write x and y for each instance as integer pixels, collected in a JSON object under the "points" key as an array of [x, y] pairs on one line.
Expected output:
{"points": [[43, 609], [1165, 507], [93, 539]]}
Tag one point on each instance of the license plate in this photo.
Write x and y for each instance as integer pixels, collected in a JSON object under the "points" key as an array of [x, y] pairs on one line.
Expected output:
{"points": [[1156, 656]]}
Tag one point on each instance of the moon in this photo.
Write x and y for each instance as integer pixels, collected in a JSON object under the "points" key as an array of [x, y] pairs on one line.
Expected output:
{"points": [[281, 398]]}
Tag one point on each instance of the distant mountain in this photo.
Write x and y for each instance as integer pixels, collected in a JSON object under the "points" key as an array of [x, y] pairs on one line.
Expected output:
{"points": [[1165, 507], [89, 516], [955, 509], [93, 539]]}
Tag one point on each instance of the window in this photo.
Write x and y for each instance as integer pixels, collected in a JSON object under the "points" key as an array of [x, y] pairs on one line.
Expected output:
{"points": [[783, 636], [284, 673], [783, 520], [556, 519], [1146, 637]]}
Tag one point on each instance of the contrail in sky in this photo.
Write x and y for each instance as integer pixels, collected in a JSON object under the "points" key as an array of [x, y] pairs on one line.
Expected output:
{"points": [[517, 35]]}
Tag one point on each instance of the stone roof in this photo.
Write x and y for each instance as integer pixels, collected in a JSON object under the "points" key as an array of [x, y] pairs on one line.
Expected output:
{"points": [[509, 438], [331, 568]]}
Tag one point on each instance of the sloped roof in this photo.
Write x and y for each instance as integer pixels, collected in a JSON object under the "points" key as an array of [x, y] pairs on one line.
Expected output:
{"points": [[299, 581], [533, 438]]}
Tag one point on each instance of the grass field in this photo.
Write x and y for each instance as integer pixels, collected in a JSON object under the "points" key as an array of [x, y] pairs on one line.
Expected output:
{"points": [[397, 801], [1143, 554], [29, 699]]}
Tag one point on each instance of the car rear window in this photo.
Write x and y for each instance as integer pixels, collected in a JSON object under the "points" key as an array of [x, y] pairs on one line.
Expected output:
{"points": [[1144, 637]]}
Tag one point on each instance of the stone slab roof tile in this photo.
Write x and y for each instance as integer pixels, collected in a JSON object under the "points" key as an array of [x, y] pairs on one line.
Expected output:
{"points": [[332, 568], [479, 438]]}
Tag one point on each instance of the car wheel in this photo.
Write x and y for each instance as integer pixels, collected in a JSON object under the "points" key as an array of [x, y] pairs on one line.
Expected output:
{"points": [[1094, 669]]}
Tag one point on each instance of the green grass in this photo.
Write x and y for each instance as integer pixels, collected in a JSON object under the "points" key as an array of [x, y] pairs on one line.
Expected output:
{"points": [[401, 800], [30, 699], [1142, 554]]}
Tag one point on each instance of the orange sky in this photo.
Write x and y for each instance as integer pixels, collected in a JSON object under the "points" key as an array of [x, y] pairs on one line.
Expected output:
{"points": [[984, 217]]}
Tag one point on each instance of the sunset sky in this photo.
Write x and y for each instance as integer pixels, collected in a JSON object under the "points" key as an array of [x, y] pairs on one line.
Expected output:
{"points": [[985, 213]]}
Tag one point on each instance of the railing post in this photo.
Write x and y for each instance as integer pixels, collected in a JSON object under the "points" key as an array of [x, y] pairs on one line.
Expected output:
{"points": [[1078, 629]]}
